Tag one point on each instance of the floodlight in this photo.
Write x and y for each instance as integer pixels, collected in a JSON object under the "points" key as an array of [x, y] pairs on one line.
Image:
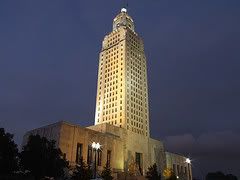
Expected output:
{"points": [[188, 161]]}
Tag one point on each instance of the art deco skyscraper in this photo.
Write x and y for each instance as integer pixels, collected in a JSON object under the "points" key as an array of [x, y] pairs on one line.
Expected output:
{"points": [[122, 90]]}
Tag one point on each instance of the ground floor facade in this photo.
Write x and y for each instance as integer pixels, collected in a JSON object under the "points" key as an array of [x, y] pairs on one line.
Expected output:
{"points": [[124, 151]]}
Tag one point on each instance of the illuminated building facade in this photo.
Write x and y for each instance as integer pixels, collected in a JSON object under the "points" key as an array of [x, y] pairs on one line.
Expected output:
{"points": [[122, 92], [122, 112]]}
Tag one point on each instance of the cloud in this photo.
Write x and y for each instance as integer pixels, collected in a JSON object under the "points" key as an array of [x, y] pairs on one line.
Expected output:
{"points": [[213, 151], [181, 142]]}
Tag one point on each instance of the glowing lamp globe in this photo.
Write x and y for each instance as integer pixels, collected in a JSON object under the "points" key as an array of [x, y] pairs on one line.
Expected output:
{"points": [[188, 161], [124, 10], [97, 146], [93, 145]]}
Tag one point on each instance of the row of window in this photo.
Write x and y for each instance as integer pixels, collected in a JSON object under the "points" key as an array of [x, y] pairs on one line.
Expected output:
{"points": [[139, 98], [137, 57], [137, 95], [114, 115], [137, 90], [109, 44], [79, 155], [109, 101], [113, 49], [110, 111], [112, 56], [133, 39], [177, 169], [136, 71], [111, 120], [110, 93], [137, 101], [136, 105], [109, 81], [138, 131], [139, 61], [137, 123], [113, 37], [135, 113]]}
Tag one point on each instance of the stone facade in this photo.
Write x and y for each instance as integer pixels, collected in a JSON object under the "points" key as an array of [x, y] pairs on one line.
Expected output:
{"points": [[122, 144], [69, 136], [178, 164]]}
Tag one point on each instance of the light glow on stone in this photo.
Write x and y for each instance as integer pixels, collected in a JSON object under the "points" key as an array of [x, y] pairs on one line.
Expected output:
{"points": [[93, 145], [96, 146]]}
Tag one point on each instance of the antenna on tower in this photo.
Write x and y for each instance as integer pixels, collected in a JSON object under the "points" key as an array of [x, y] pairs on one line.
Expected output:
{"points": [[125, 4]]}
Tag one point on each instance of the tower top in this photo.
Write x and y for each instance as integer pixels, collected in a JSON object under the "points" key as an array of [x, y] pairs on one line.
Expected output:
{"points": [[123, 20]]}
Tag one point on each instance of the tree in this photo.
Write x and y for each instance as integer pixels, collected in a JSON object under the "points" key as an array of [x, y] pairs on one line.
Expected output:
{"points": [[41, 157], [8, 153], [220, 176], [107, 173], [152, 173], [183, 176], [215, 176], [169, 174], [172, 177], [231, 177], [82, 171]]}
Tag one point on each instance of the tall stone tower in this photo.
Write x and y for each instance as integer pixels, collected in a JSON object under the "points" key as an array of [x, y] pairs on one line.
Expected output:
{"points": [[122, 89]]}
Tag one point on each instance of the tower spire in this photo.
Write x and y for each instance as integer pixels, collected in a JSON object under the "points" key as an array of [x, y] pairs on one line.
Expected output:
{"points": [[124, 10], [125, 5], [123, 20]]}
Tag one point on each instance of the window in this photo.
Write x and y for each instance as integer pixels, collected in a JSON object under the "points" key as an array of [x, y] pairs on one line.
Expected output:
{"points": [[108, 157], [174, 168], [138, 160], [99, 157], [89, 155], [79, 152]]}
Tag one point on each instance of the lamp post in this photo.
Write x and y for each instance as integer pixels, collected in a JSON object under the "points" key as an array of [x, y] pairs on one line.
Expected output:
{"points": [[96, 147]]}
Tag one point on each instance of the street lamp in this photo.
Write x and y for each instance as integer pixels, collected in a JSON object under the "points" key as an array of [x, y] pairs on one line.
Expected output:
{"points": [[96, 147], [188, 161]]}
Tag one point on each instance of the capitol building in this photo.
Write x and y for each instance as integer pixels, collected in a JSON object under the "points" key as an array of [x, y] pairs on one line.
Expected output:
{"points": [[121, 115]]}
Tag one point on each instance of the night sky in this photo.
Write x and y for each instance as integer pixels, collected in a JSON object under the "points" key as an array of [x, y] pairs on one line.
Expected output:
{"points": [[49, 61]]}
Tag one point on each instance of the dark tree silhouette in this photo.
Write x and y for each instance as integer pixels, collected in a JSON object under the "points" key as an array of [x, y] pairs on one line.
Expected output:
{"points": [[82, 171], [8, 153], [220, 176], [41, 157], [152, 173], [172, 177], [183, 176], [215, 176], [107, 173], [231, 177]]}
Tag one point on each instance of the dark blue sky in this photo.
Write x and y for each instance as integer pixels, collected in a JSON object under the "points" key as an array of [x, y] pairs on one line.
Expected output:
{"points": [[49, 58]]}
